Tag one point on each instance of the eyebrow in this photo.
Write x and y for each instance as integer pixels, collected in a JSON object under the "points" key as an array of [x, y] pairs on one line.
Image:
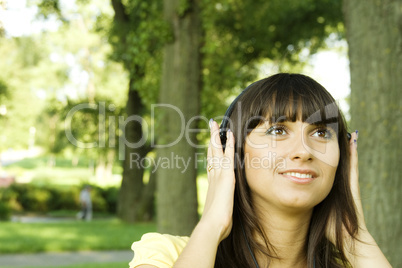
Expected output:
{"points": [[330, 123]]}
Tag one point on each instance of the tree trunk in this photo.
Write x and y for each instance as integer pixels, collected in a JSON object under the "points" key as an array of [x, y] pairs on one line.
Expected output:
{"points": [[180, 87], [132, 183], [146, 207], [374, 33], [134, 204]]}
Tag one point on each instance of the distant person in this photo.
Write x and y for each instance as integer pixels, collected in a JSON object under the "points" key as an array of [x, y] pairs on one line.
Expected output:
{"points": [[86, 204]]}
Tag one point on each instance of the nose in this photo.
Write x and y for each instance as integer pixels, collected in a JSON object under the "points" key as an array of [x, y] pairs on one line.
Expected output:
{"points": [[300, 151]]}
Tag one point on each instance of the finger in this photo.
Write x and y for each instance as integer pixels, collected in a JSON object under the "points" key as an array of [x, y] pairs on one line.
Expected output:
{"points": [[354, 174], [209, 152], [209, 162], [354, 167], [229, 150], [216, 145]]}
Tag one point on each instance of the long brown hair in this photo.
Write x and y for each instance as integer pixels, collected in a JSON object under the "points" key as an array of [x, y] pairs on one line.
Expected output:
{"points": [[290, 96]]}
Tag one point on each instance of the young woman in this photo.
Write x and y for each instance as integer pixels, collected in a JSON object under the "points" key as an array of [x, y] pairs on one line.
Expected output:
{"points": [[283, 188]]}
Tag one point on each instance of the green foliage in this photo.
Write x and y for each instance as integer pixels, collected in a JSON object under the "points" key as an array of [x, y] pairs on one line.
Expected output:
{"points": [[42, 199], [53, 63], [3, 91], [110, 196], [21, 58], [38, 199], [32, 51], [239, 35], [51, 124], [184, 6], [137, 36], [5, 212], [278, 29], [49, 7], [95, 124]]}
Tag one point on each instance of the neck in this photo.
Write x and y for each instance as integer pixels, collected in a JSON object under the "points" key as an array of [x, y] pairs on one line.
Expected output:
{"points": [[287, 233]]}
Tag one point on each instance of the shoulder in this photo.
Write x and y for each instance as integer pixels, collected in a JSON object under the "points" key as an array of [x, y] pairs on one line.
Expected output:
{"points": [[161, 241], [160, 250]]}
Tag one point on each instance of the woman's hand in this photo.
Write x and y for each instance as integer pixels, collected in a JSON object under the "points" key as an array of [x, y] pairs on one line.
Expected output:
{"points": [[362, 251], [354, 181], [216, 221], [218, 208]]}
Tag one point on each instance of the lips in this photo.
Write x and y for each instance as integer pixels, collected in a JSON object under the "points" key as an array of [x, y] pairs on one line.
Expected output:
{"points": [[300, 176]]}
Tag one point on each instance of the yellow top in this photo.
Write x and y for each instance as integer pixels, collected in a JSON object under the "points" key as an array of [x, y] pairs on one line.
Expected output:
{"points": [[160, 250]]}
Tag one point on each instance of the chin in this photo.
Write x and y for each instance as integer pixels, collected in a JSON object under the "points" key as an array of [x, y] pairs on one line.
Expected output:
{"points": [[299, 203]]}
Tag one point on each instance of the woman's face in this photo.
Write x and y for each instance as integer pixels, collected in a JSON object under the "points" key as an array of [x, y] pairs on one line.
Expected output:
{"points": [[290, 165]]}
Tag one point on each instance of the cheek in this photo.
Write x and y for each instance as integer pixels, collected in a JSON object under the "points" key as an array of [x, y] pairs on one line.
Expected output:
{"points": [[328, 154], [330, 162], [329, 172], [333, 156], [263, 158], [330, 176]]}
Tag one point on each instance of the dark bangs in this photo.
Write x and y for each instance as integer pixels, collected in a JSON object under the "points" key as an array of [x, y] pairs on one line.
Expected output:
{"points": [[290, 97]]}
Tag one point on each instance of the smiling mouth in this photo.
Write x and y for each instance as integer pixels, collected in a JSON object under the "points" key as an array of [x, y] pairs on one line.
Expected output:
{"points": [[298, 175]]}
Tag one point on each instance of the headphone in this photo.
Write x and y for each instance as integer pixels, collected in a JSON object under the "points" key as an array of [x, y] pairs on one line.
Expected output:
{"points": [[224, 125]]}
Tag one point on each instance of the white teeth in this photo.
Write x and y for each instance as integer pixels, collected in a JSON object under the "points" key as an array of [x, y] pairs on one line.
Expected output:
{"points": [[298, 175]]}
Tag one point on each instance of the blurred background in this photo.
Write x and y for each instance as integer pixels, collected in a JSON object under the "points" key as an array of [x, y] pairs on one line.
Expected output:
{"points": [[80, 81]]}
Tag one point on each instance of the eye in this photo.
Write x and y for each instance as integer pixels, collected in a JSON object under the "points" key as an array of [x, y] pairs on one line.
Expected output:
{"points": [[324, 133], [277, 130]]}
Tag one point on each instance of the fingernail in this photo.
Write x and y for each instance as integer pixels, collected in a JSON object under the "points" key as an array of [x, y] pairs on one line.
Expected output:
{"points": [[210, 122], [355, 143], [357, 134]]}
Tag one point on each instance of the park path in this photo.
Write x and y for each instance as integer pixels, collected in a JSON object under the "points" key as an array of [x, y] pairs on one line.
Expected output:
{"points": [[64, 258]]}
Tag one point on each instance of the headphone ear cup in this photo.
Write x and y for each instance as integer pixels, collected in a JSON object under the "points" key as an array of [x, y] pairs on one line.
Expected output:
{"points": [[222, 135], [225, 121]]}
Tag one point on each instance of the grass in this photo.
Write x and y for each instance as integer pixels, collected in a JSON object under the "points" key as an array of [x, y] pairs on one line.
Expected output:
{"points": [[100, 234], [86, 265], [38, 171], [71, 214], [43, 161], [72, 235]]}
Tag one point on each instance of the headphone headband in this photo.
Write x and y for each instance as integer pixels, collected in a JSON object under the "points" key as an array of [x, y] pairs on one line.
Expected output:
{"points": [[223, 127]]}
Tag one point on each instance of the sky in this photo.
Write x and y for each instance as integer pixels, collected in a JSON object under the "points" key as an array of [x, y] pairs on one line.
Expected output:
{"points": [[329, 67], [18, 19]]}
